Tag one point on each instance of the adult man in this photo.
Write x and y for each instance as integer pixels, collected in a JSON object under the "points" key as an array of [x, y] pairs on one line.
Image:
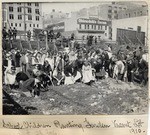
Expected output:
{"points": [[139, 53], [17, 61], [29, 35], [24, 61], [14, 31], [10, 34], [4, 33]]}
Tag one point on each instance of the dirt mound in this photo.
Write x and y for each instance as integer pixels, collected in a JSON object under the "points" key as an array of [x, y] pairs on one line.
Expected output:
{"points": [[103, 97]]}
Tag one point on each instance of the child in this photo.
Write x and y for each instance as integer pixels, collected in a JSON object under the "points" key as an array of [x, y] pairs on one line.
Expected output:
{"points": [[10, 77], [87, 73], [32, 85]]}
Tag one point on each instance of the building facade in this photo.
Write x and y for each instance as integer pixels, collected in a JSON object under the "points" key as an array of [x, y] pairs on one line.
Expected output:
{"points": [[83, 27], [134, 12], [22, 16], [114, 10], [134, 30], [110, 11], [54, 17]]}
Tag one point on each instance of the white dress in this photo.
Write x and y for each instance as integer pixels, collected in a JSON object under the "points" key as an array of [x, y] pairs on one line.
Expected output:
{"points": [[145, 57], [10, 77], [87, 73], [51, 62], [69, 80]]}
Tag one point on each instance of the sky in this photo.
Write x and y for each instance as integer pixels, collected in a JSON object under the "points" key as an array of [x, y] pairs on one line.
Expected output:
{"points": [[66, 7], [70, 7]]}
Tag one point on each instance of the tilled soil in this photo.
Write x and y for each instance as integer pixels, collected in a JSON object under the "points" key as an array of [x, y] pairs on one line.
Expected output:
{"points": [[102, 97]]}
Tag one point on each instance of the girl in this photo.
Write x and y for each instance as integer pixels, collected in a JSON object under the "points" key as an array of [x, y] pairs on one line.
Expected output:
{"points": [[87, 73]]}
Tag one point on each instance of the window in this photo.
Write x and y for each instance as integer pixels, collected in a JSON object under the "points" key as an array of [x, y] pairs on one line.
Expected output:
{"points": [[99, 27], [33, 25], [29, 10], [29, 4], [19, 9], [95, 27], [30, 25], [85, 26], [37, 18], [36, 4], [20, 24], [29, 17], [11, 24], [140, 12], [37, 11], [109, 16], [37, 25], [16, 24], [19, 17], [110, 7], [18, 3], [105, 34], [105, 27], [116, 16], [11, 16], [92, 26], [51, 16], [79, 26], [115, 11], [88, 26], [10, 9], [109, 11]]}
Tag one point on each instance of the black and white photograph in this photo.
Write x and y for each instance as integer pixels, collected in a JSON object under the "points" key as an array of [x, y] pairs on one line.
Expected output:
{"points": [[75, 58]]}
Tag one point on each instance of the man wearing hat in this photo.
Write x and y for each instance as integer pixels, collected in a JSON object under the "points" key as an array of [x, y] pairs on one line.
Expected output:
{"points": [[14, 31], [17, 62], [139, 53], [10, 34], [130, 68], [121, 54], [4, 33]]}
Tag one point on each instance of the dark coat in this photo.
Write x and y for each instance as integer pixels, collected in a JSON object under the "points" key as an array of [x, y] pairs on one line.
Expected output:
{"points": [[21, 76]]}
